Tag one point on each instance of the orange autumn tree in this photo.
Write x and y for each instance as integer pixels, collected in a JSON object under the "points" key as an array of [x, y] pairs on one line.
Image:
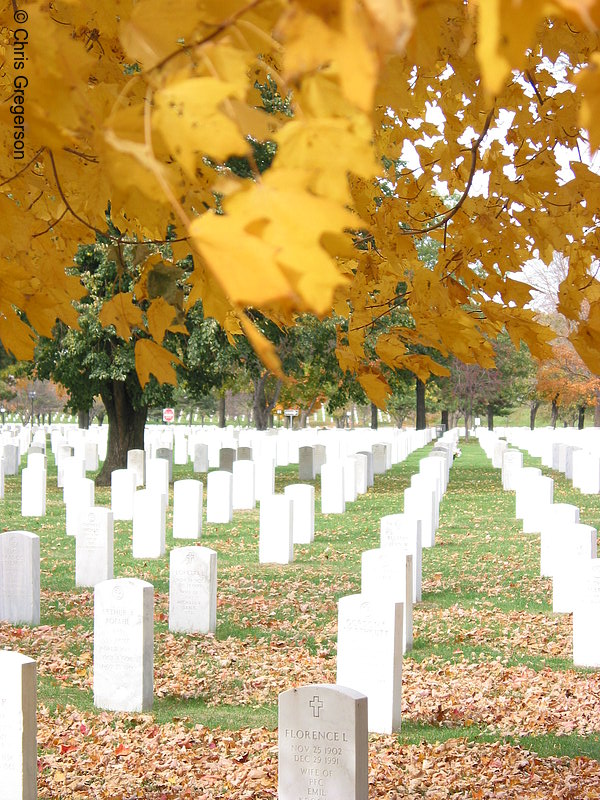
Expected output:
{"points": [[139, 107], [567, 384]]}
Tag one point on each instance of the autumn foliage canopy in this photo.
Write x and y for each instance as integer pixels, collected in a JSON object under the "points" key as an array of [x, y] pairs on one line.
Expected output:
{"points": [[132, 111]]}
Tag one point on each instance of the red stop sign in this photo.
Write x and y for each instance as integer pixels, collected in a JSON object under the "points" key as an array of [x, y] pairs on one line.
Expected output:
{"points": [[168, 414]]}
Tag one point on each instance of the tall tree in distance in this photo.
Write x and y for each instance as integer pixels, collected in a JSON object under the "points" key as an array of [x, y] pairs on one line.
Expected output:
{"points": [[99, 358]]}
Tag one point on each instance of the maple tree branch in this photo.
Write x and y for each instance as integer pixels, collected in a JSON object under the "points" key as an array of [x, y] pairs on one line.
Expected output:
{"points": [[454, 210], [534, 87], [222, 26], [393, 303], [24, 168], [93, 159], [33, 202], [120, 240], [52, 224], [377, 318]]}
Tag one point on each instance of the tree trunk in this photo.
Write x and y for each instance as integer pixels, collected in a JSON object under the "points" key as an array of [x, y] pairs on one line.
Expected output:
{"points": [[445, 419], [581, 417], [467, 421], [261, 406], [421, 415], [125, 429], [597, 409], [374, 418], [83, 419], [305, 413], [490, 418], [222, 414], [554, 416], [533, 409]]}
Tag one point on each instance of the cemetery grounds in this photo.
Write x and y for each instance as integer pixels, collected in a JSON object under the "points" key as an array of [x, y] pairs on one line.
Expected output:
{"points": [[492, 706]]}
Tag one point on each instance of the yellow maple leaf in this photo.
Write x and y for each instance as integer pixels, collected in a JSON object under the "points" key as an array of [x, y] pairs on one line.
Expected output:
{"points": [[16, 337], [121, 312], [423, 366], [163, 317], [377, 388], [267, 249], [152, 359], [189, 116], [390, 349]]}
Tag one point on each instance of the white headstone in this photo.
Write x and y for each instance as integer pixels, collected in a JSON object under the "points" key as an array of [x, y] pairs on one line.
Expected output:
{"points": [[512, 462], [362, 473], [323, 744], [369, 656], [11, 459], [91, 457], [370, 473], [302, 496], [187, 509], [122, 490], [578, 549], [80, 496], [149, 524], [276, 544], [37, 460], [136, 461], [227, 455], [219, 496], [124, 645], [538, 503], [193, 590], [419, 504], [264, 477], [94, 546], [379, 458], [18, 727], [167, 454], [200, 457], [180, 453], [349, 465], [319, 456], [73, 470], [555, 521], [523, 478], [306, 466], [33, 492], [404, 532], [243, 485], [20, 577], [586, 642], [387, 573], [157, 476]]}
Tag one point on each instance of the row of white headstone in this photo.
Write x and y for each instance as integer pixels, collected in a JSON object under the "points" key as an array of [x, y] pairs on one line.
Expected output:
{"points": [[575, 453], [335, 717], [375, 627], [568, 548], [192, 575]]}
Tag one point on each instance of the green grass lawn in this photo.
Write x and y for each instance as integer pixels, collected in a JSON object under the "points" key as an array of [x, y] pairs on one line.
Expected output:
{"points": [[488, 652]]}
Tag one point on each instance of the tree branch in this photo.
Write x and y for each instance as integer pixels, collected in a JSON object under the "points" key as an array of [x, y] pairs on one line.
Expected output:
{"points": [[454, 210]]}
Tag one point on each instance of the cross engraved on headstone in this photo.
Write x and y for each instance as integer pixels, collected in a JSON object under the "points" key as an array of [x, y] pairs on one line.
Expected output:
{"points": [[316, 705]]}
